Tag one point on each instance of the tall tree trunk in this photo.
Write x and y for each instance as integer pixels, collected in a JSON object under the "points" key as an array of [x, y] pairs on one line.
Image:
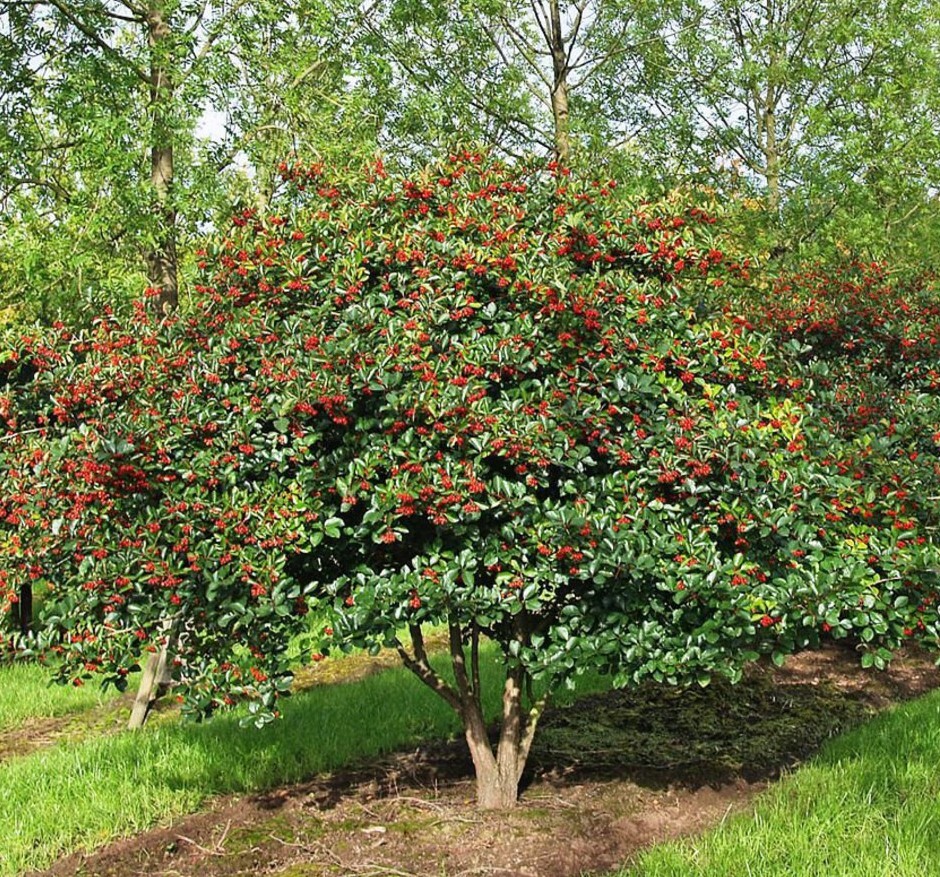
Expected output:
{"points": [[771, 161], [559, 85], [163, 274], [162, 261]]}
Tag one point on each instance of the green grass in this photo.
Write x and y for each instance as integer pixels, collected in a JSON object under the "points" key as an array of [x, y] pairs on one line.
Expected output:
{"points": [[25, 693], [867, 806], [62, 799]]}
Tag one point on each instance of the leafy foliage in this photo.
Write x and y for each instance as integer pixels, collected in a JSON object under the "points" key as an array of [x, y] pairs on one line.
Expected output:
{"points": [[870, 343], [84, 212]]}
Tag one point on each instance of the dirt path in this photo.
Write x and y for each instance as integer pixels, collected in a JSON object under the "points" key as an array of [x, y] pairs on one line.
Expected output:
{"points": [[613, 773]]}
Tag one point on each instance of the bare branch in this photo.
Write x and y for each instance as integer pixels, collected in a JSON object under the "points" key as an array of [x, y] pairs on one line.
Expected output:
{"points": [[575, 30], [134, 9], [538, 12], [596, 62], [199, 18], [515, 124], [528, 52], [502, 54], [221, 27], [37, 183]]}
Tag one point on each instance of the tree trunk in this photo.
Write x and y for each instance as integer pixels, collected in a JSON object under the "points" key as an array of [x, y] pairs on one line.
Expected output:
{"points": [[497, 772], [771, 161], [560, 114], [154, 682], [24, 609], [162, 261], [162, 272], [497, 790], [559, 85]]}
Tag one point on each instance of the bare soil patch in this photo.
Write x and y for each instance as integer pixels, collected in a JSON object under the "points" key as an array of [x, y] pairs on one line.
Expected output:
{"points": [[612, 774]]}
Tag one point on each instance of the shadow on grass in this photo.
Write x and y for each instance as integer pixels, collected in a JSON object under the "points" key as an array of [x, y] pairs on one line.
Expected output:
{"points": [[659, 736], [320, 730], [390, 730], [867, 805]]}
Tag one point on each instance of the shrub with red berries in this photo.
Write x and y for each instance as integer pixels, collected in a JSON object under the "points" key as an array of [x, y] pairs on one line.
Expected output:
{"points": [[482, 397]]}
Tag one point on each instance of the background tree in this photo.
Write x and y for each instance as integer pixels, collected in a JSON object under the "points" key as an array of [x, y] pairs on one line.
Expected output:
{"points": [[526, 78], [108, 165], [790, 108], [811, 106], [290, 90]]}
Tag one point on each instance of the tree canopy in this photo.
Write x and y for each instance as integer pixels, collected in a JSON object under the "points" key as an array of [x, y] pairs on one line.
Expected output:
{"points": [[134, 128]]}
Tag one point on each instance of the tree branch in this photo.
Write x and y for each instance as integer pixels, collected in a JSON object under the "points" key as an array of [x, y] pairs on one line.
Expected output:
{"points": [[502, 54], [475, 663], [421, 667], [217, 32], [528, 735], [538, 12], [458, 659]]}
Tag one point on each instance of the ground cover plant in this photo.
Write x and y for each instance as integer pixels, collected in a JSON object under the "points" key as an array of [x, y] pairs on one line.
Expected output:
{"points": [[486, 398]]}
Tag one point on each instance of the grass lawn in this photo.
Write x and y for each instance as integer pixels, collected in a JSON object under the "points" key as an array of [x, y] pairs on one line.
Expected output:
{"points": [[867, 806], [68, 797], [25, 693]]}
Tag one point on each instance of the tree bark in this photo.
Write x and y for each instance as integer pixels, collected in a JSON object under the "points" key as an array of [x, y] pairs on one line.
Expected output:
{"points": [[162, 260], [154, 682], [771, 160], [559, 85], [498, 774]]}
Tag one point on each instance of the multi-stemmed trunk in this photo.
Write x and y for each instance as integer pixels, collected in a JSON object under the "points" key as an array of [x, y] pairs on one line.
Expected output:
{"points": [[498, 770]]}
